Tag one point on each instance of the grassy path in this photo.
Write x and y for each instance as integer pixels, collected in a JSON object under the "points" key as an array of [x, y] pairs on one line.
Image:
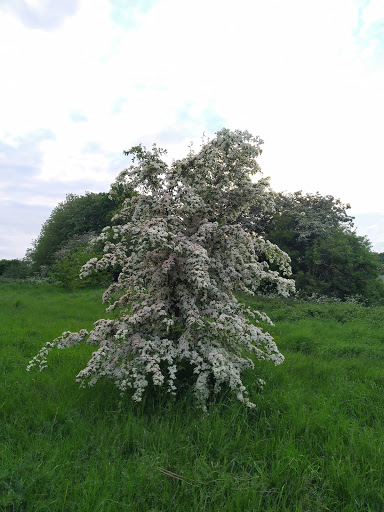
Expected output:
{"points": [[315, 441]]}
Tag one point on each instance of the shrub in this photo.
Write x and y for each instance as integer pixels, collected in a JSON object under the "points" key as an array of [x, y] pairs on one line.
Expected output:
{"points": [[67, 269]]}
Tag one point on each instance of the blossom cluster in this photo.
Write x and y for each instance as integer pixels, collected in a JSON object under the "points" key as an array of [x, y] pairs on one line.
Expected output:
{"points": [[182, 258]]}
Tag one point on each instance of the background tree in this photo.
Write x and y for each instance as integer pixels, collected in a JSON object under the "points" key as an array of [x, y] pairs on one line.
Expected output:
{"points": [[182, 259], [316, 231], [300, 218], [70, 227], [75, 216], [14, 269], [380, 257], [341, 265], [306, 215]]}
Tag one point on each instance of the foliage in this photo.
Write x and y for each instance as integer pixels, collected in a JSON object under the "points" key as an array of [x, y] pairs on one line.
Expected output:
{"points": [[75, 216], [66, 269], [341, 265], [314, 215], [181, 261], [14, 269], [70, 258], [305, 215], [300, 219], [328, 258], [380, 257]]}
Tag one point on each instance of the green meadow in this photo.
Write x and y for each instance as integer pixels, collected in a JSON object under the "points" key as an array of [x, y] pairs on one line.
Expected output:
{"points": [[314, 442]]}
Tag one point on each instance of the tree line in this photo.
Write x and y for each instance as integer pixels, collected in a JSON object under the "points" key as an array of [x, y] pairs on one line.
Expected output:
{"points": [[327, 256]]}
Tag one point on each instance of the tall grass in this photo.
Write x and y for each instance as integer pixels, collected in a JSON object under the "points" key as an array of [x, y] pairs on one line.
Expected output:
{"points": [[314, 442]]}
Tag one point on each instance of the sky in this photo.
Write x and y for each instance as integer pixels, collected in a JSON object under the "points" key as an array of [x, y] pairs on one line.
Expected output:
{"points": [[84, 80]]}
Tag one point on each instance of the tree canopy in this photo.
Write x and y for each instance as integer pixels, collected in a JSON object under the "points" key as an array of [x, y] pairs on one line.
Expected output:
{"points": [[75, 216]]}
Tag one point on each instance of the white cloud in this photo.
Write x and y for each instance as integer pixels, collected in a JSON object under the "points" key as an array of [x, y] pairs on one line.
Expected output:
{"points": [[305, 76]]}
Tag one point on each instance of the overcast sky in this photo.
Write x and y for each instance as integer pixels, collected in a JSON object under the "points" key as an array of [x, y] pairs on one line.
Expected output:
{"points": [[83, 80]]}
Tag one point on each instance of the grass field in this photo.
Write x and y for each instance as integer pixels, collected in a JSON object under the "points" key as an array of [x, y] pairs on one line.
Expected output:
{"points": [[315, 441]]}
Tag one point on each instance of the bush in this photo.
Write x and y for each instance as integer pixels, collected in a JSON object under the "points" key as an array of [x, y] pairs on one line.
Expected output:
{"points": [[66, 271]]}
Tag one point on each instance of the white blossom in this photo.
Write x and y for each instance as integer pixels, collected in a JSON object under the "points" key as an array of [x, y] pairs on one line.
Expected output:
{"points": [[182, 258]]}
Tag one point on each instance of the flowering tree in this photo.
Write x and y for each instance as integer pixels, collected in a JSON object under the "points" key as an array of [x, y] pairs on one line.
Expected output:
{"points": [[182, 257]]}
